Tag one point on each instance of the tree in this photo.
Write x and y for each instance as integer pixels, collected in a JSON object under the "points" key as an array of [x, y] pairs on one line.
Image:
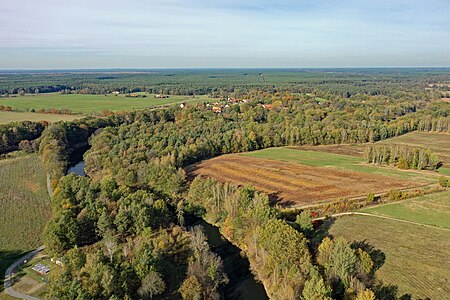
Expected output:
{"points": [[365, 295], [315, 288], [191, 289], [152, 285], [304, 222]]}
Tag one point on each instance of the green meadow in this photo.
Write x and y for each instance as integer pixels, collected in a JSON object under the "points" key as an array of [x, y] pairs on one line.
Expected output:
{"points": [[88, 104], [433, 209]]}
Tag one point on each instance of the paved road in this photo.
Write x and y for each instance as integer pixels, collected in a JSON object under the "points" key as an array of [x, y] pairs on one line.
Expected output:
{"points": [[10, 274], [382, 217]]}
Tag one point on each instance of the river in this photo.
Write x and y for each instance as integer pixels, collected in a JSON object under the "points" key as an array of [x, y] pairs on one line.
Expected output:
{"points": [[242, 284], [76, 162]]}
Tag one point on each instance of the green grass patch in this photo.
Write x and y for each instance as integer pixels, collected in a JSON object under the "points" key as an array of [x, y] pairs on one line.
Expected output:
{"points": [[12, 116], [24, 207], [339, 161], [416, 256], [88, 104], [433, 209]]}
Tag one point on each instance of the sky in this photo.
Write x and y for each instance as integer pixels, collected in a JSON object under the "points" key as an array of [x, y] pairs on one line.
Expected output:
{"points": [[89, 34]]}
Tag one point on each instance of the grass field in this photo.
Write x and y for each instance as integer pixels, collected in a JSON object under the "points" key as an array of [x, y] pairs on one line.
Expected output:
{"points": [[12, 116], [339, 161], [87, 104], [24, 207], [417, 257], [436, 142], [292, 183], [431, 209]]}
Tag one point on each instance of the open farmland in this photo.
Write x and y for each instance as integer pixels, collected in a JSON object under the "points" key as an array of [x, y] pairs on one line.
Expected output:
{"points": [[416, 256], [12, 116], [24, 207], [293, 183], [340, 162], [87, 104], [431, 209]]}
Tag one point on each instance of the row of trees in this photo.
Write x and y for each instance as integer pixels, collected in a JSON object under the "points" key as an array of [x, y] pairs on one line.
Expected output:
{"points": [[403, 157]]}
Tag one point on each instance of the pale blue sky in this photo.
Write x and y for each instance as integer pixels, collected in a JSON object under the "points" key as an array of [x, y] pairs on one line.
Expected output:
{"points": [[45, 34]]}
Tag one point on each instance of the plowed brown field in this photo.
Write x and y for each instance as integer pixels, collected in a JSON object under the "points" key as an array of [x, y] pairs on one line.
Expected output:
{"points": [[293, 184]]}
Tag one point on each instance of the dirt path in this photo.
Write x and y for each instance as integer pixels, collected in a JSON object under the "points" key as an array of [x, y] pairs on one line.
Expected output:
{"points": [[382, 217], [9, 275]]}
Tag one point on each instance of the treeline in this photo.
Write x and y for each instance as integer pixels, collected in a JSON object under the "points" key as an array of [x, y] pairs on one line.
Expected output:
{"points": [[12, 134], [403, 157], [338, 83]]}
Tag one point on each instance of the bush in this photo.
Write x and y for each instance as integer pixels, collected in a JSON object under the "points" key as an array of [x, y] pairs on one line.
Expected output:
{"points": [[444, 182], [370, 198], [394, 195]]}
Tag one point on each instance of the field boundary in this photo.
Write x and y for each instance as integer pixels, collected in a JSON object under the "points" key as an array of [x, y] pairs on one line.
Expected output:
{"points": [[350, 213]]}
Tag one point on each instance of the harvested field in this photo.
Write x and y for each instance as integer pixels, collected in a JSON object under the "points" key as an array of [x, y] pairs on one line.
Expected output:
{"points": [[293, 184]]}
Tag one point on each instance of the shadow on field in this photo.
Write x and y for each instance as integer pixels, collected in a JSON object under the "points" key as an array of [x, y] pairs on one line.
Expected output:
{"points": [[382, 292], [6, 259]]}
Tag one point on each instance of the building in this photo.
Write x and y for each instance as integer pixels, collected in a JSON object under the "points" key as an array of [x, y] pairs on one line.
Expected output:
{"points": [[41, 269]]}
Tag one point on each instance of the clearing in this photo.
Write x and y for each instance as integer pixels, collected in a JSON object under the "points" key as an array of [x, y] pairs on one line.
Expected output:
{"points": [[431, 209], [24, 206], [416, 256], [88, 104], [311, 180]]}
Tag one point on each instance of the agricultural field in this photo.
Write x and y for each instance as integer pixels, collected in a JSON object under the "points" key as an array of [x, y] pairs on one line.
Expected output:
{"points": [[12, 116], [431, 209], [24, 206], [295, 177], [88, 104], [340, 162], [416, 257]]}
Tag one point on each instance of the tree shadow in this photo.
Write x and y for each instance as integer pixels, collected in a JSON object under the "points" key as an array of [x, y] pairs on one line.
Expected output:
{"points": [[377, 256], [7, 258]]}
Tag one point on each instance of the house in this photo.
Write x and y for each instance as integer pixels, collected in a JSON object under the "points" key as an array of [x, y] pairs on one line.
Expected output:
{"points": [[161, 96], [115, 93], [217, 109]]}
